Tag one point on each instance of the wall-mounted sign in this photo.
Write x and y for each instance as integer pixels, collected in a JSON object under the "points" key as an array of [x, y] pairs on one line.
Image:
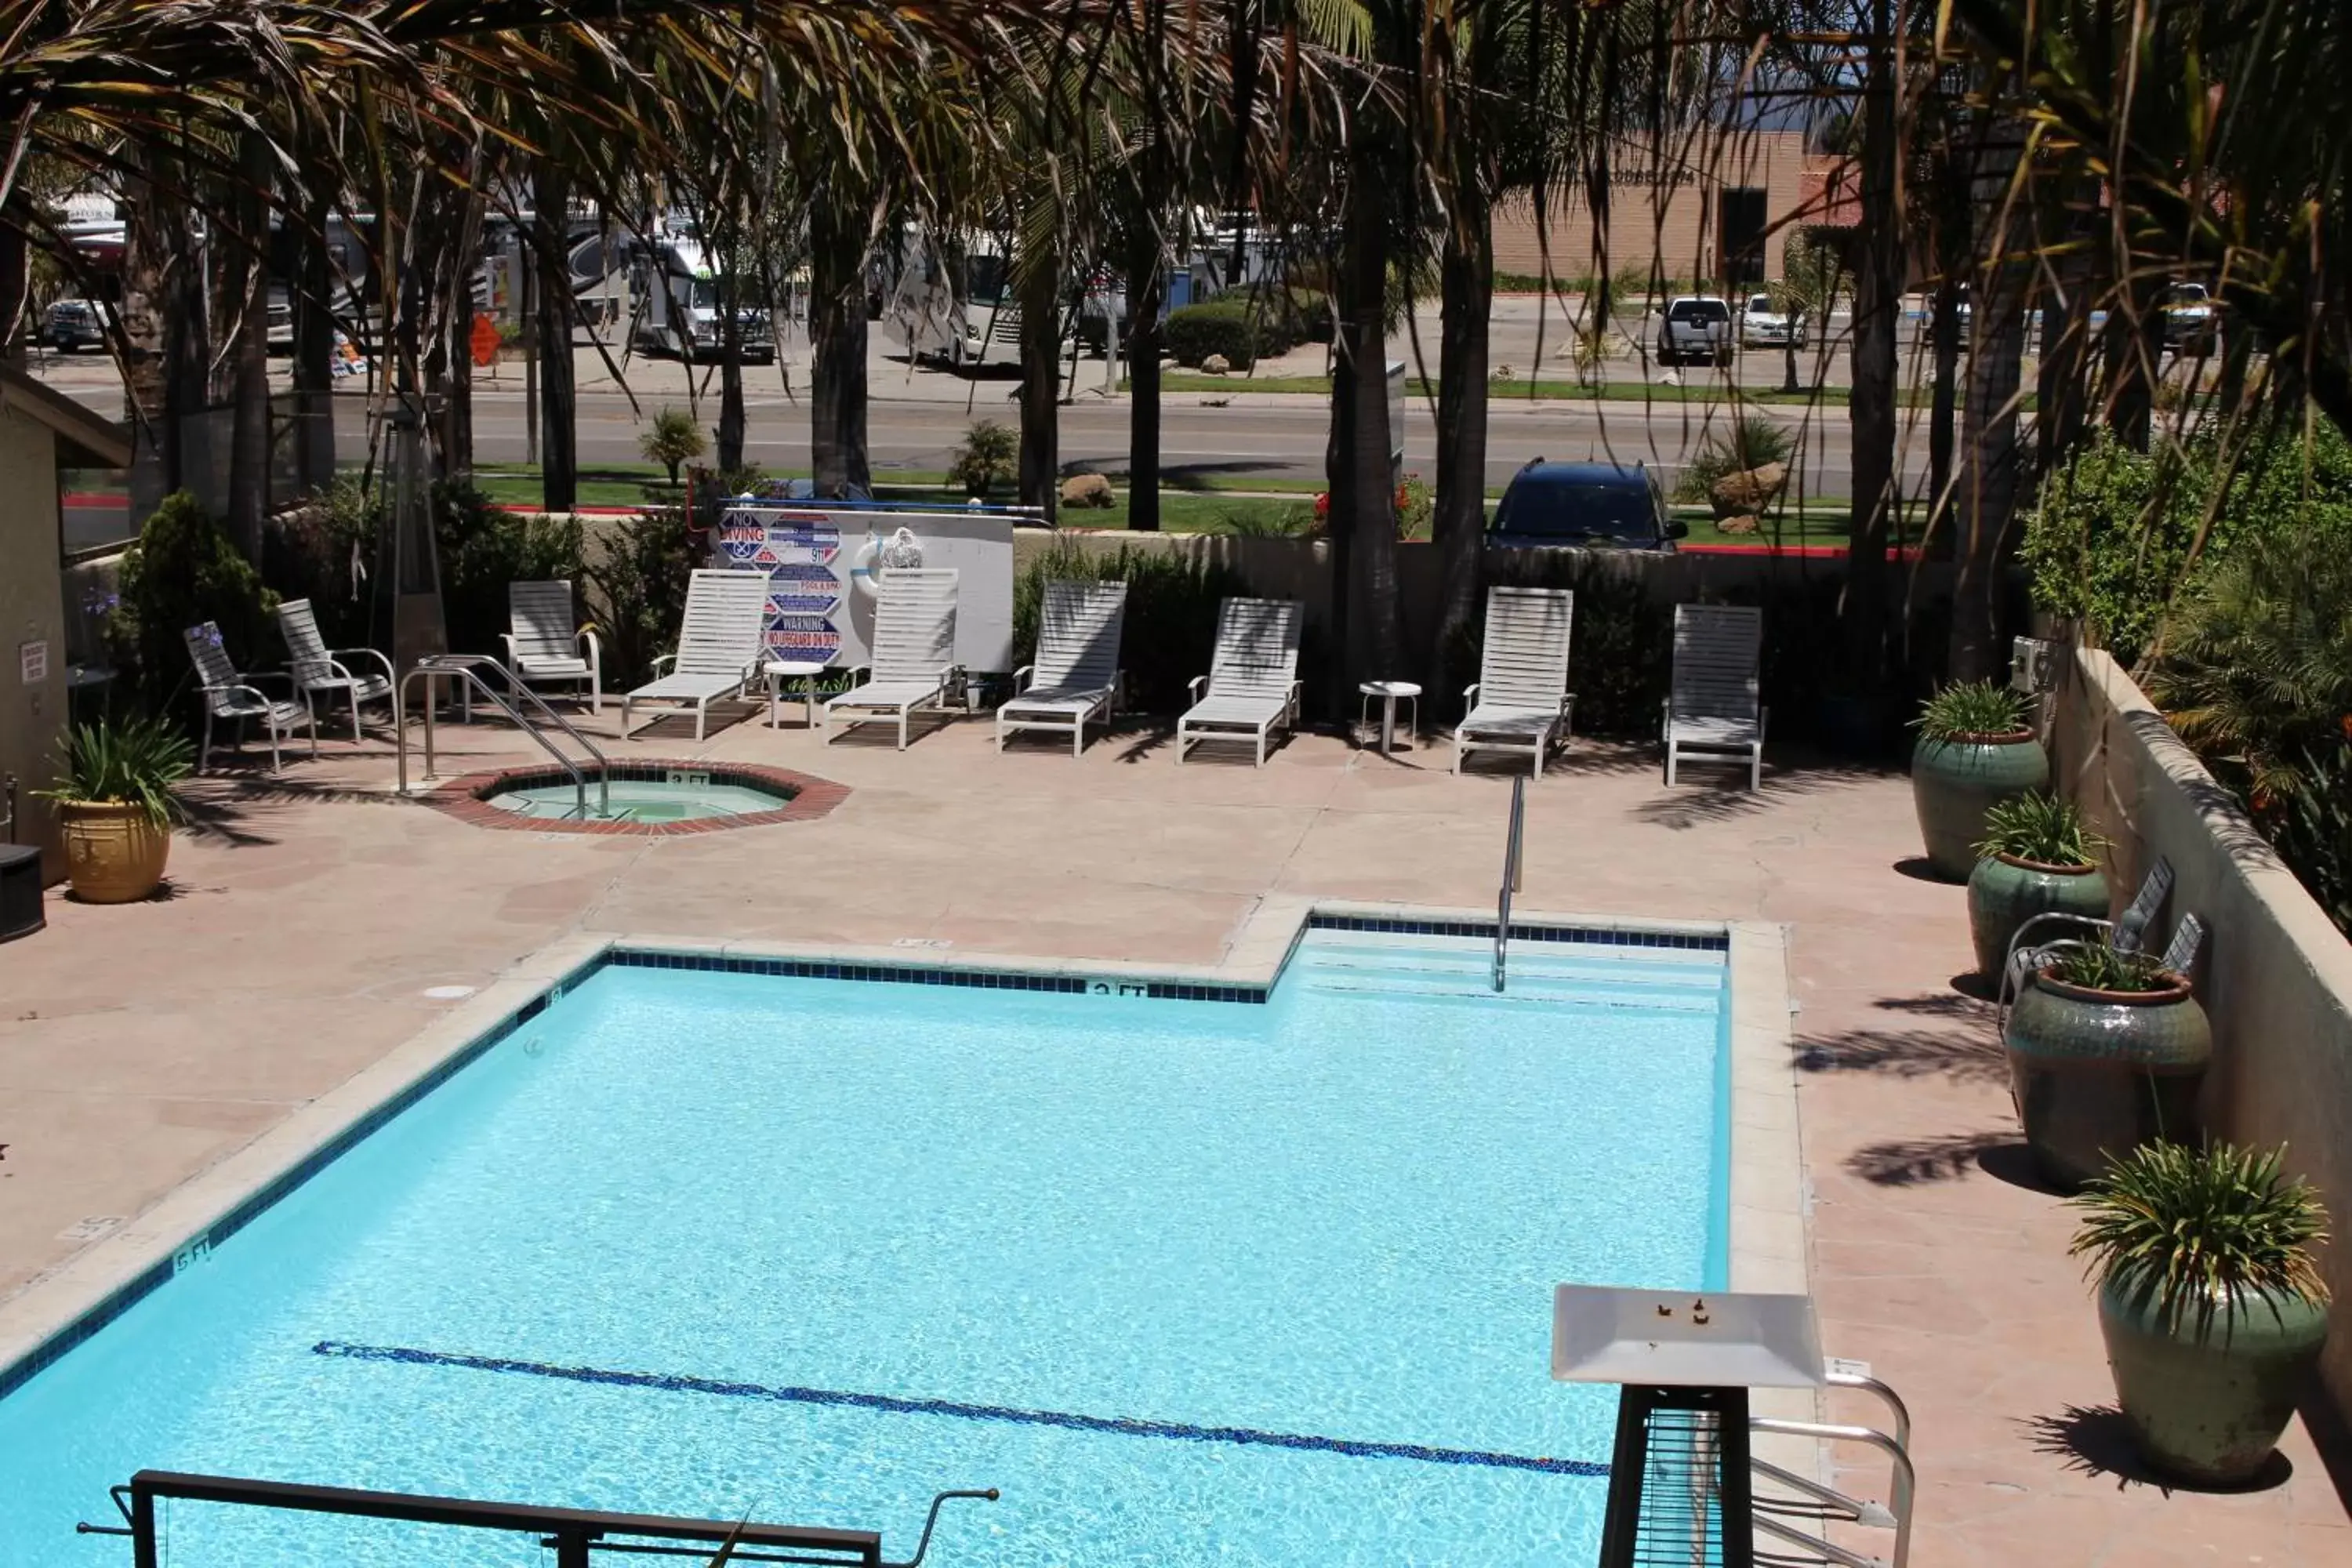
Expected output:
{"points": [[33, 662]]}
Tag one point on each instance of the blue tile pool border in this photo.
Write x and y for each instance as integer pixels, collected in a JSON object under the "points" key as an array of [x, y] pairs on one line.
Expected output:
{"points": [[195, 1247]]}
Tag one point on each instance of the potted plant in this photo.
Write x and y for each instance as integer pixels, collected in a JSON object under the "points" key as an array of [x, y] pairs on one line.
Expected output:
{"points": [[1976, 750], [115, 806], [2211, 1310], [2105, 1049], [2036, 859]]}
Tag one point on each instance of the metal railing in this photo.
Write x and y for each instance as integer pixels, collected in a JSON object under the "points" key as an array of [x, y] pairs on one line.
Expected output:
{"points": [[1511, 847], [573, 1533], [1817, 1504], [467, 668]]}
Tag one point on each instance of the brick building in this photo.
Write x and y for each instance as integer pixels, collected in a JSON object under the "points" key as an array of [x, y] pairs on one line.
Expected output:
{"points": [[1717, 206]]}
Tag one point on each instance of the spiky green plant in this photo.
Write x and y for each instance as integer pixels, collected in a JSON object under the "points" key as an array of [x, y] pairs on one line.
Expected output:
{"points": [[2201, 1228], [987, 458], [136, 761], [674, 438], [2046, 829], [1966, 710], [2096, 967]]}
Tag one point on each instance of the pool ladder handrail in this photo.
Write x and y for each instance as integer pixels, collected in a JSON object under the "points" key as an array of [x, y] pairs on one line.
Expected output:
{"points": [[1821, 1503], [467, 668], [1512, 844]]}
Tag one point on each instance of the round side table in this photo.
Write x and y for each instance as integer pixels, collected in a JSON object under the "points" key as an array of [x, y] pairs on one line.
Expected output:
{"points": [[806, 671], [1387, 691]]}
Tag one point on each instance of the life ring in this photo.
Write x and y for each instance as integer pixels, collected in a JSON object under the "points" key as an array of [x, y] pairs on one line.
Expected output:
{"points": [[879, 556]]}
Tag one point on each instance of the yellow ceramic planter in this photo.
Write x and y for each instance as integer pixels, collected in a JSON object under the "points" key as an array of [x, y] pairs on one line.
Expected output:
{"points": [[114, 850]]}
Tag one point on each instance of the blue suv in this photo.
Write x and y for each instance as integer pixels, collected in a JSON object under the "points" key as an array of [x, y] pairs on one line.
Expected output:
{"points": [[1591, 505]]}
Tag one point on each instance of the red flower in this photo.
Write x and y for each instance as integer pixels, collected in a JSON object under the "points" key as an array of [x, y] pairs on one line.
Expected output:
{"points": [[1323, 504], [2346, 725]]}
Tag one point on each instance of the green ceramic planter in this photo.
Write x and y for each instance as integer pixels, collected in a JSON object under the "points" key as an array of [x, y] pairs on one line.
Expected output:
{"points": [[2097, 1073], [2004, 892], [2207, 1399], [1954, 783]]}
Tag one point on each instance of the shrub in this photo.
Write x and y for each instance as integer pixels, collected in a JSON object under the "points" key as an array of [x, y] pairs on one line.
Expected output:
{"points": [[989, 457], [674, 438], [2110, 538], [1171, 614], [1194, 332], [185, 571], [2046, 829], [1751, 442], [2312, 830], [323, 551], [639, 592], [2197, 1228], [1969, 709], [135, 760]]}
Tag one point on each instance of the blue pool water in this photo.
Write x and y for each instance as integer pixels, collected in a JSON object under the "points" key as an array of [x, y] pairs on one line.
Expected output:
{"points": [[809, 1251]]}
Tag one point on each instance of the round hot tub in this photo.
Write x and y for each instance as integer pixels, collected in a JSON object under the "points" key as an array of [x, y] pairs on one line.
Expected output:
{"points": [[648, 798]]}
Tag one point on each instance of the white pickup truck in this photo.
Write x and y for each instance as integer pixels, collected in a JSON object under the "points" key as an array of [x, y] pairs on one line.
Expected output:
{"points": [[1695, 329]]}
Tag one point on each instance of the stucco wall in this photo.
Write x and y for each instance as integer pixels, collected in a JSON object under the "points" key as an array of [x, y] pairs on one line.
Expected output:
{"points": [[31, 611], [1662, 208], [2276, 976]]}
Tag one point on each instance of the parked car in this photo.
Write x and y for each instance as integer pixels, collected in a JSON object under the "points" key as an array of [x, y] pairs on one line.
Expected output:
{"points": [[71, 324], [2191, 319], [1761, 325], [1605, 505], [1695, 329]]}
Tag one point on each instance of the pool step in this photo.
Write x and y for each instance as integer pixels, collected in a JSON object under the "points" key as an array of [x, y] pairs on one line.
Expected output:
{"points": [[1672, 979]]}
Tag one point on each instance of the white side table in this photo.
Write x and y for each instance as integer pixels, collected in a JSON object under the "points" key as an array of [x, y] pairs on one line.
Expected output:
{"points": [[1387, 691], [804, 671]]}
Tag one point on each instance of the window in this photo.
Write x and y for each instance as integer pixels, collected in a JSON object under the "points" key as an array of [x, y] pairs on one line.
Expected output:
{"points": [[1739, 231]]}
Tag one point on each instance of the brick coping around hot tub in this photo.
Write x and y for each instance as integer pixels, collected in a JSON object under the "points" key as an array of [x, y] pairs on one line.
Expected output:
{"points": [[468, 797]]}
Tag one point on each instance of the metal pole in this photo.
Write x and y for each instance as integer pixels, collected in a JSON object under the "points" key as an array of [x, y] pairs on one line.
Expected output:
{"points": [[142, 1527]]}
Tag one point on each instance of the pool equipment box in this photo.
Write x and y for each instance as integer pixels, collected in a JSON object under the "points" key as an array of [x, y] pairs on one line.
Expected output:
{"points": [[820, 563]]}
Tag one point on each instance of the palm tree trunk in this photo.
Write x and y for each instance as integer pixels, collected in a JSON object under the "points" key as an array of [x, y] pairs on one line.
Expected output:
{"points": [[1041, 383], [731, 372], [1368, 640], [837, 448], [1147, 286], [13, 281], [1877, 296], [1987, 503], [164, 326], [558, 445], [1944, 328], [310, 298], [248, 473], [1459, 523]]}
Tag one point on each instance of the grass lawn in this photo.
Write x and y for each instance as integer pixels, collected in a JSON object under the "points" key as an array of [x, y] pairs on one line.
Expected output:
{"points": [[1188, 381]]}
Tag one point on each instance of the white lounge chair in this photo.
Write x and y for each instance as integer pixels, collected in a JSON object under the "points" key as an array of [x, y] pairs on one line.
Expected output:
{"points": [[1076, 677], [913, 655], [546, 642], [1713, 712], [721, 642], [1521, 703], [1253, 679], [230, 695], [319, 670], [2127, 933]]}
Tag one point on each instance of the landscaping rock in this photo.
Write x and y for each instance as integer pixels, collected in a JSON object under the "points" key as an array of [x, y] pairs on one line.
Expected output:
{"points": [[1215, 364], [1737, 524], [1085, 489], [1747, 492]]}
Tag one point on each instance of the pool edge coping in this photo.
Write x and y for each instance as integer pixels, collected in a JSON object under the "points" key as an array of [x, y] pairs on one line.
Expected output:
{"points": [[65, 1306]]}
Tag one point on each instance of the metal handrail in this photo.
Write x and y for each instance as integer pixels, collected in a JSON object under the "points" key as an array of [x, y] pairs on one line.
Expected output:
{"points": [[464, 666], [574, 1533], [1898, 1503], [1511, 847]]}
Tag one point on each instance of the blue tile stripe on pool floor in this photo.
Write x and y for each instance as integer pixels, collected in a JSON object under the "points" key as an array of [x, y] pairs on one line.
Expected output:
{"points": [[1122, 1426]]}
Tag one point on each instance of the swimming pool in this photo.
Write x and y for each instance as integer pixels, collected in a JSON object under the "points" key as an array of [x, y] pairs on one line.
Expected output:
{"points": [[1192, 1280]]}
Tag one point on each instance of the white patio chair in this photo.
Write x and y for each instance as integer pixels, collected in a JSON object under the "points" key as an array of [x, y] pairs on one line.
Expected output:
{"points": [[913, 655], [231, 695], [1713, 710], [1253, 680], [2127, 933], [321, 670], [721, 642], [1076, 677], [1521, 703], [546, 642]]}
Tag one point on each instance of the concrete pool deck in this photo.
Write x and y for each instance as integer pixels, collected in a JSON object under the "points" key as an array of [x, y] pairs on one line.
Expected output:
{"points": [[311, 915]]}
